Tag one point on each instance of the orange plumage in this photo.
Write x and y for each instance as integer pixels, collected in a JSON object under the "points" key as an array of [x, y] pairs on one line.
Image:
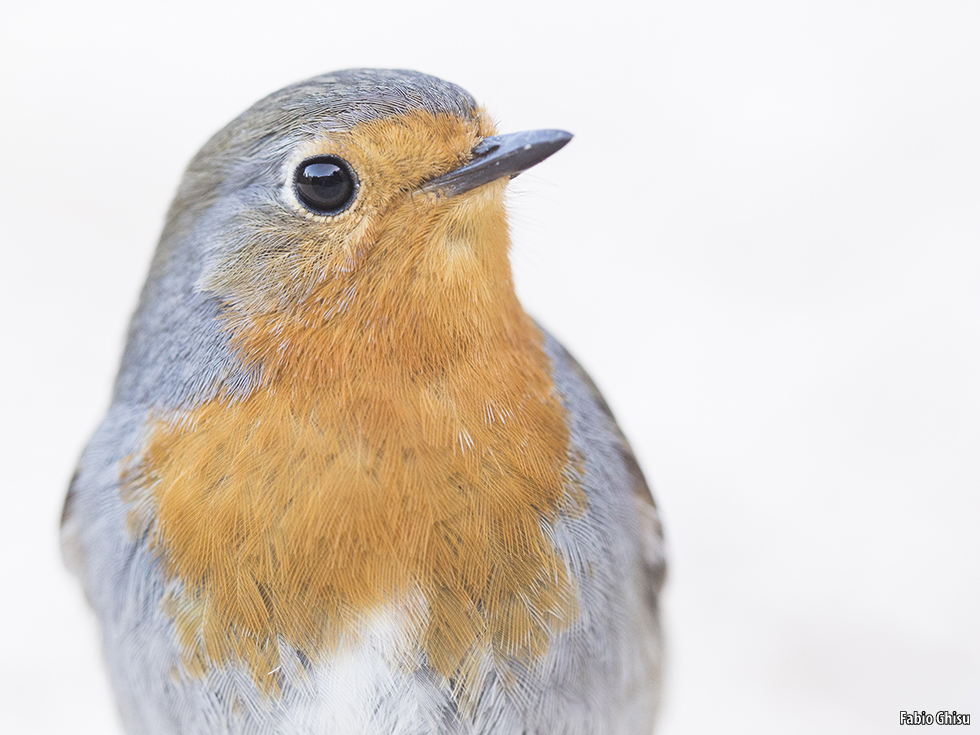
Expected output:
{"points": [[380, 458]]}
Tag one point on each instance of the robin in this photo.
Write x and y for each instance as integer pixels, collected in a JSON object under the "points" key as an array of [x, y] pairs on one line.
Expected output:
{"points": [[345, 483]]}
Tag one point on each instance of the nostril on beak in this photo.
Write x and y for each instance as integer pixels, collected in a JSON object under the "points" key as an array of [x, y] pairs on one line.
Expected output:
{"points": [[485, 147]]}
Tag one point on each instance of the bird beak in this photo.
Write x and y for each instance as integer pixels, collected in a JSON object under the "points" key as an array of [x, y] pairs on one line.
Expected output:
{"points": [[496, 157]]}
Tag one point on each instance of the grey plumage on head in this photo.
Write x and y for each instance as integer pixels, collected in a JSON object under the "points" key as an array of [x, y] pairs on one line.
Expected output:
{"points": [[341, 99], [346, 98]]}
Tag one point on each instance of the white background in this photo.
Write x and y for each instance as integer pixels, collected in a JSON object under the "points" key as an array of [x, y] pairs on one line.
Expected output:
{"points": [[764, 243]]}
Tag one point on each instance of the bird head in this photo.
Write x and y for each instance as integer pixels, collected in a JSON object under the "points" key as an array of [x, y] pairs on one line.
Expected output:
{"points": [[357, 214]]}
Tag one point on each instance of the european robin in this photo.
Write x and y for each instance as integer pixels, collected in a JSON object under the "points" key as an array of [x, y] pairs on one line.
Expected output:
{"points": [[345, 483]]}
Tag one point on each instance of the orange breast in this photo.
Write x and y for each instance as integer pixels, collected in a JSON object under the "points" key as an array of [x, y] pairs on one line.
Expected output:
{"points": [[299, 510]]}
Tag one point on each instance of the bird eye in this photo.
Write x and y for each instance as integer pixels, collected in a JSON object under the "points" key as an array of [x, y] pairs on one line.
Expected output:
{"points": [[325, 184]]}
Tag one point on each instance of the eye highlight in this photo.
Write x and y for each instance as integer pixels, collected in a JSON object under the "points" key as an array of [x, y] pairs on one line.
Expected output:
{"points": [[325, 184]]}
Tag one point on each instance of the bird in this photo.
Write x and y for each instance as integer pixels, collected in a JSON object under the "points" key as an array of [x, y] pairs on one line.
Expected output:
{"points": [[345, 484]]}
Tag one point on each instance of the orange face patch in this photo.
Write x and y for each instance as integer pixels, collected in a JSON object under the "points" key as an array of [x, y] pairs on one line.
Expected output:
{"points": [[405, 443]]}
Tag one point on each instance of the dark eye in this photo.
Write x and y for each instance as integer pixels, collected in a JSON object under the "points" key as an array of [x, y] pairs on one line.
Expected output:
{"points": [[325, 184]]}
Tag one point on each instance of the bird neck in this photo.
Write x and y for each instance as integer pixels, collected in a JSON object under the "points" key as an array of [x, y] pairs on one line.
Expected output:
{"points": [[432, 290]]}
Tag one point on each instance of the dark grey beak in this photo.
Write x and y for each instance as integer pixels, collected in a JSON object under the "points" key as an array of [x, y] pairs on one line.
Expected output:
{"points": [[496, 157]]}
